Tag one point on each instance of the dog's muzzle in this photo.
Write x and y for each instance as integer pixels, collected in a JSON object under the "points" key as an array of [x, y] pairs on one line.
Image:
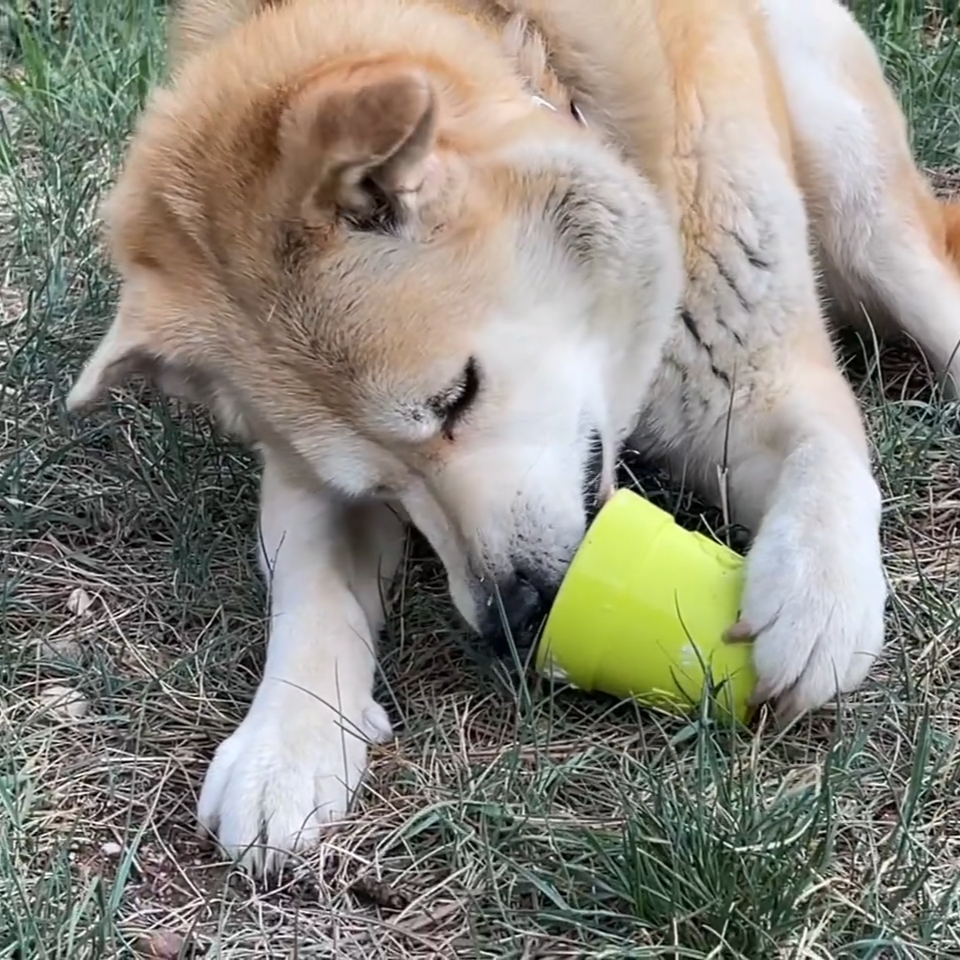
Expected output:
{"points": [[516, 606]]}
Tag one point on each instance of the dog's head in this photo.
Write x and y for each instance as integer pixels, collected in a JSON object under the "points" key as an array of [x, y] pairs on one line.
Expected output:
{"points": [[376, 254]]}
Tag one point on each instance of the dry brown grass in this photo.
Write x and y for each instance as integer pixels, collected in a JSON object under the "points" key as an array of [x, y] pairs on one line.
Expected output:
{"points": [[503, 822]]}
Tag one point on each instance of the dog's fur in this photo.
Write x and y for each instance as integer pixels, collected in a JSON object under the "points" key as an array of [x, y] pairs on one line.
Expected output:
{"points": [[439, 259]]}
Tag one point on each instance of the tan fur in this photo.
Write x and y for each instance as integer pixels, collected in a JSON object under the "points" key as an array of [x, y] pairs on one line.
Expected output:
{"points": [[376, 239], [950, 220], [195, 25]]}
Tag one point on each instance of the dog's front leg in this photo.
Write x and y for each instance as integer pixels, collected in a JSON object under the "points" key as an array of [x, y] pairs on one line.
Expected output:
{"points": [[768, 427], [800, 476], [294, 762]]}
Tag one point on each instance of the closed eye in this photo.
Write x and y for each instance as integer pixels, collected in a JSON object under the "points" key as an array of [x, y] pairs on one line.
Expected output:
{"points": [[454, 402]]}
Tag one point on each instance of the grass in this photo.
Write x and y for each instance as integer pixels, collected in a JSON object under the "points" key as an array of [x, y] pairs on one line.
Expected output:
{"points": [[498, 825]]}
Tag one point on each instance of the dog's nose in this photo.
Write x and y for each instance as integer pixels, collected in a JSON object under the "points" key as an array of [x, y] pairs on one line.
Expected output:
{"points": [[512, 621]]}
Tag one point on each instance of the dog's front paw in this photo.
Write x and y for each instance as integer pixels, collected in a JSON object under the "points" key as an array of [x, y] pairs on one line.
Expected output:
{"points": [[814, 602], [287, 771]]}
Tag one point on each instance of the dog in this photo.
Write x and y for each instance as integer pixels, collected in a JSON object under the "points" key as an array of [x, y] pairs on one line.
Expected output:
{"points": [[439, 261]]}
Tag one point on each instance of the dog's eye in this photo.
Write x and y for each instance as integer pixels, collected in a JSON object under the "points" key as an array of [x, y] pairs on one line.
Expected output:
{"points": [[454, 402]]}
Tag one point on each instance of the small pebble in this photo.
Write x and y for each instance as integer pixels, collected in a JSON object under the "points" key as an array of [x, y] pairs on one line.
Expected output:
{"points": [[65, 701], [79, 602], [162, 945]]}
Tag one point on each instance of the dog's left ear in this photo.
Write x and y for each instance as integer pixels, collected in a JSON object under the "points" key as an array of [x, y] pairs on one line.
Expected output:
{"points": [[366, 127]]}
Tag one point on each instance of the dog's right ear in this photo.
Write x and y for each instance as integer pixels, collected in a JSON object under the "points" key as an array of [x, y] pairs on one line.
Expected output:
{"points": [[128, 348], [122, 352], [354, 131]]}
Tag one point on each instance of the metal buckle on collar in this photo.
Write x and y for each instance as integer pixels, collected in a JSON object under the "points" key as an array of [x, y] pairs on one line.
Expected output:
{"points": [[575, 111]]}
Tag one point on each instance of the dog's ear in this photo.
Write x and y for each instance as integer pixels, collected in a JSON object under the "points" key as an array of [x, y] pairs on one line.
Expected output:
{"points": [[128, 348], [353, 135], [122, 352]]}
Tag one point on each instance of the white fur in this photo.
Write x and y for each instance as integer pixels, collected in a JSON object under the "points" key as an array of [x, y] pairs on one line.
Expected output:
{"points": [[295, 761], [815, 586]]}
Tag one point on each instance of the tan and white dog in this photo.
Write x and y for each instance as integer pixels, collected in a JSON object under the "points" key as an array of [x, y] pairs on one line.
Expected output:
{"points": [[441, 259]]}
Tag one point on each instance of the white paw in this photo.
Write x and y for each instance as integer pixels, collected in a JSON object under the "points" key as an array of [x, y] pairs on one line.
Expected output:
{"points": [[288, 770], [814, 600]]}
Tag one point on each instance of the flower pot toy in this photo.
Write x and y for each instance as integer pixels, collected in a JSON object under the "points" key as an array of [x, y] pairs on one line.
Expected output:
{"points": [[644, 610]]}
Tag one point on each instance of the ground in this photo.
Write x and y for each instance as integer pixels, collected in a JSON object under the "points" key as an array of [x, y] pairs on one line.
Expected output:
{"points": [[503, 822]]}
